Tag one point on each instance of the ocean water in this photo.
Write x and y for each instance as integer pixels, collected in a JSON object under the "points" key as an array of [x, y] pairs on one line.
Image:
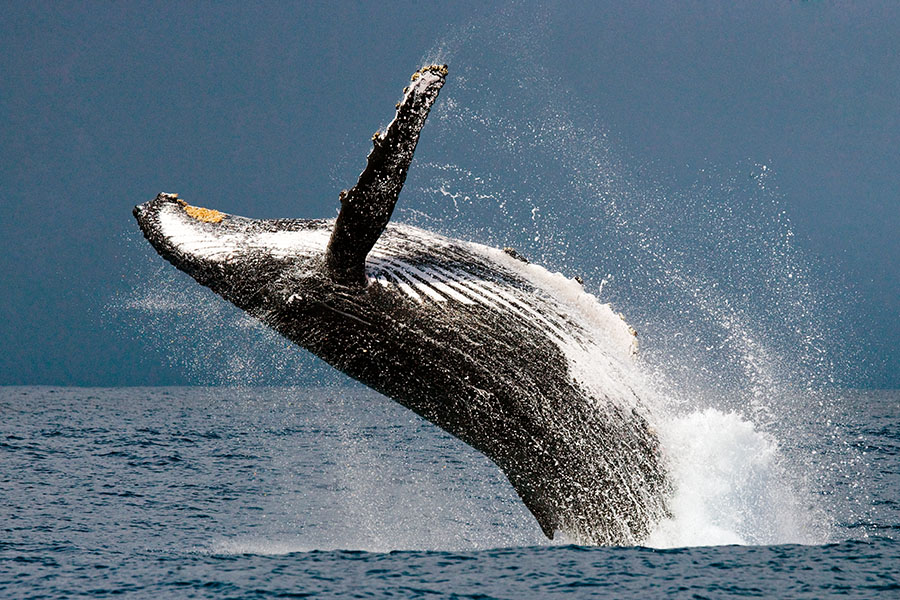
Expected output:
{"points": [[214, 492]]}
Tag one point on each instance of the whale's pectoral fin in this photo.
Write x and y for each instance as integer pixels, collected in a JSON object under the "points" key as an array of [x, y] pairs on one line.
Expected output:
{"points": [[367, 207]]}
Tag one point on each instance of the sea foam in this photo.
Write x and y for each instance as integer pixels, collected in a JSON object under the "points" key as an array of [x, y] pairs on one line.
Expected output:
{"points": [[729, 485]]}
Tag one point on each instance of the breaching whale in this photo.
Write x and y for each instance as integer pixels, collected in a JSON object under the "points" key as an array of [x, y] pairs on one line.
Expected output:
{"points": [[520, 363]]}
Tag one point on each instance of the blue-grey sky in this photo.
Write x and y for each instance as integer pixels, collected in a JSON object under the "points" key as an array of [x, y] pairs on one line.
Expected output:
{"points": [[266, 109]]}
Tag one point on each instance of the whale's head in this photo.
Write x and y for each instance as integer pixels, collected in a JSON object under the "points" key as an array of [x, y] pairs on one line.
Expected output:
{"points": [[236, 257]]}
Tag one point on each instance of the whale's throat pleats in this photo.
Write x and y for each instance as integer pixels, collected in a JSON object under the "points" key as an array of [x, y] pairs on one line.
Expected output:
{"points": [[366, 208]]}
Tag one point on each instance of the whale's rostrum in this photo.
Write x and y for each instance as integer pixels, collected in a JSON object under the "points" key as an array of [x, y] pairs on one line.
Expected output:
{"points": [[517, 362]]}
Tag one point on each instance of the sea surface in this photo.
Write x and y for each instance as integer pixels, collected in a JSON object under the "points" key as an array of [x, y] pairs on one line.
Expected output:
{"points": [[330, 492]]}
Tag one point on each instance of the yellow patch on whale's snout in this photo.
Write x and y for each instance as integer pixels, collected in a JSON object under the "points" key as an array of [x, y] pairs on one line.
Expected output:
{"points": [[207, 215]]}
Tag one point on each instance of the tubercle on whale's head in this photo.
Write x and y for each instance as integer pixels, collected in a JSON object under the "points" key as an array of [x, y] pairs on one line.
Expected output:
{"points": [[206, 215]]}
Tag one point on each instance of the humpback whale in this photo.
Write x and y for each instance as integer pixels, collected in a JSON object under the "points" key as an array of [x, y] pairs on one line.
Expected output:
{"points": [[519, 363]]}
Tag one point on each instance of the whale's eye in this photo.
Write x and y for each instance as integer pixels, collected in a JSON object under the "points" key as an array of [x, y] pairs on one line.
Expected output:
{"points": [[207, 215]]}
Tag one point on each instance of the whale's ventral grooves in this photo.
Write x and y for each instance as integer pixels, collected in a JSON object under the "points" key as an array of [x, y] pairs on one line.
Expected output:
{"points": [[520, 364]]}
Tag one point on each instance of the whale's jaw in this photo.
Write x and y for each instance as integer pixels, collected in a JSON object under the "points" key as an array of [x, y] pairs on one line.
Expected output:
{"points": [[236, 257]]}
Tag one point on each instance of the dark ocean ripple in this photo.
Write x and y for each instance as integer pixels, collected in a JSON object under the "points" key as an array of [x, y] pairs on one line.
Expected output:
{"points": [[297, 493]]}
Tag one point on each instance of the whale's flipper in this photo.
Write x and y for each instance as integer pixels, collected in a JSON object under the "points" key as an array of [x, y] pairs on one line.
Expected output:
{"points": [[366, 208]]}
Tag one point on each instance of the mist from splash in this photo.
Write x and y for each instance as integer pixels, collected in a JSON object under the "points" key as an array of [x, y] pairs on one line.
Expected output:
{"points": [[195, 331], [735, 325]]}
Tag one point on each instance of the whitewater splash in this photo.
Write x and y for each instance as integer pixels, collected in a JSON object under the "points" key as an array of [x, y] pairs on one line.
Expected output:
{"points": [[731, 487]]}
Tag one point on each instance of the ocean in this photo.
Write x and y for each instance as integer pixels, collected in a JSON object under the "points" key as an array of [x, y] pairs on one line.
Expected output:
{"points": [[330, 492]]}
